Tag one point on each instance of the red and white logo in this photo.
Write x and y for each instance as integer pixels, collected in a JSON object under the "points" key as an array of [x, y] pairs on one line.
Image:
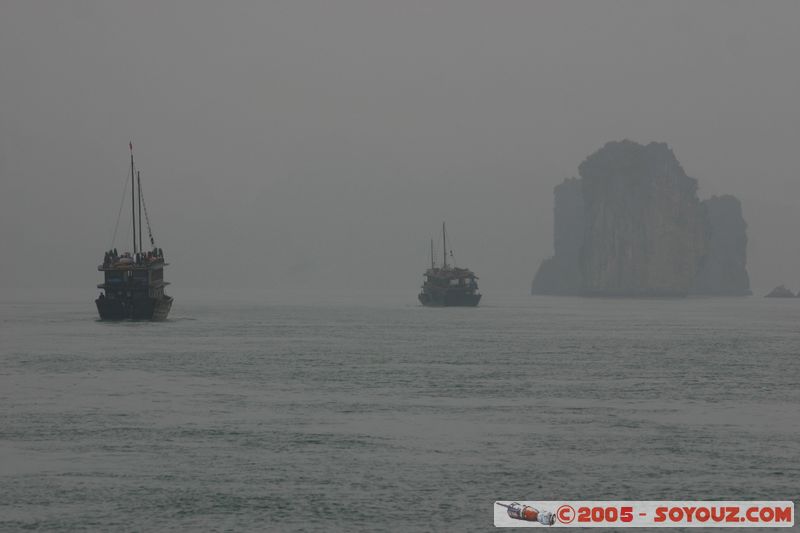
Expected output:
{"points": [[619, 514]]}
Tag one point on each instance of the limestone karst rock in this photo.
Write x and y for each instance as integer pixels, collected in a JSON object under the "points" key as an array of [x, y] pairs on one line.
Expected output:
{"points": [[723, 269], [561, 274], [632, 225], [643, 232]]}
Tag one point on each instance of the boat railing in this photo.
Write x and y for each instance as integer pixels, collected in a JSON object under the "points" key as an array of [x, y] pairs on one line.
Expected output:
{"points": [[111, 261]]}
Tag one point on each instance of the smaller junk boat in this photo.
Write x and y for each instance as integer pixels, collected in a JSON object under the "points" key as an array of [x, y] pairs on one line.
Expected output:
{"points": [[448, 285], [134, 281]]}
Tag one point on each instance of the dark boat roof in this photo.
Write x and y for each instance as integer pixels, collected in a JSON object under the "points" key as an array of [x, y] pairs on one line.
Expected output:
{"points": [[124, 266], [151, 285], [128, 263], [450, 273]]}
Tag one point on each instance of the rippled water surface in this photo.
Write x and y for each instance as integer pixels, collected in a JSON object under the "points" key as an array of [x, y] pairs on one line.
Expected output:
{"points": [[370, 413]]}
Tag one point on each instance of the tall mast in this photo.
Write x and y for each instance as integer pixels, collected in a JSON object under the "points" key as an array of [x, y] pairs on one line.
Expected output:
{"points": [[133, 199], [139, 186], [444, 245], [432, 260]]}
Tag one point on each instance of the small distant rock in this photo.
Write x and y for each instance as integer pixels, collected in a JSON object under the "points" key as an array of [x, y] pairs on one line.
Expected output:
{"points": [[780, 292]]}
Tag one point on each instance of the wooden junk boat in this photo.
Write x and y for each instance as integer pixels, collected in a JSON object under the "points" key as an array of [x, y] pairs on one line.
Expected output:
{"points": [[134, 284], [448, 285]]}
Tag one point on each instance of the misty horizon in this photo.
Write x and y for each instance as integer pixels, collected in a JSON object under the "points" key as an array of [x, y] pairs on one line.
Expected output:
{"points": [[321, 145]]}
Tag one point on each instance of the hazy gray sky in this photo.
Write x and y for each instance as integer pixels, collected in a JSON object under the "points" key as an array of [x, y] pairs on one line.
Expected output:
{"points": [[321, 143]]}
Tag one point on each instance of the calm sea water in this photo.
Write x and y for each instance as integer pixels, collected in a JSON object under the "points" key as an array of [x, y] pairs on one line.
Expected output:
{"points": [[370, 413]]}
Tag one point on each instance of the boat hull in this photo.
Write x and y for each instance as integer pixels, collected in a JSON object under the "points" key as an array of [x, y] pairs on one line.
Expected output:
{"points": [[449, 299], [134, 308]]}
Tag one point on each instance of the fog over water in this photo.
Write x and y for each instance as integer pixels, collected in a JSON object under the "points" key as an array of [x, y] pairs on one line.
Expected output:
{"points": [[318, 144]]}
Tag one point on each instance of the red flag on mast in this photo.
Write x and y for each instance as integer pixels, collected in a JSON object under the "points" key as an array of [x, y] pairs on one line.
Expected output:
{"points": [[131, 145]]}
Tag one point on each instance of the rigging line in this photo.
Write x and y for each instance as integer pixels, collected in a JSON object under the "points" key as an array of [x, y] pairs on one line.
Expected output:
{"points": [[128, 233], [119, 214], [450, 251], [146, 217]]}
